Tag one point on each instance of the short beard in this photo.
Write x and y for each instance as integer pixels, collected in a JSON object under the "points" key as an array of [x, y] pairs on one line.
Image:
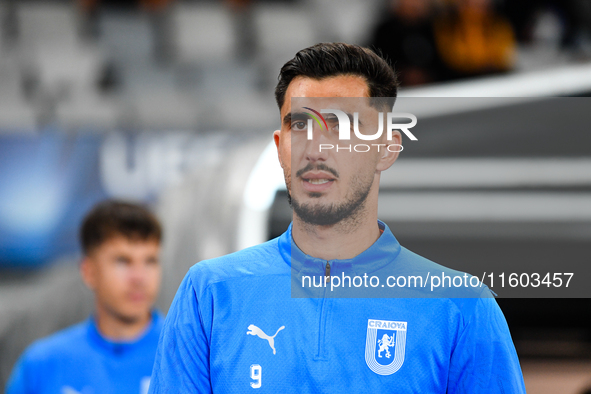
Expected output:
{"points": [[329, 215]]}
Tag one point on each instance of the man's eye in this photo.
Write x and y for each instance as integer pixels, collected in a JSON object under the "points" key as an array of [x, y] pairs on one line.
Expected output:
{"points": [[298, 126]]}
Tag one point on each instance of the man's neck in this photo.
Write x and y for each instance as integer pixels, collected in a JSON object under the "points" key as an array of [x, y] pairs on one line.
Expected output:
{"points": [[343, 240], [116, 328]]}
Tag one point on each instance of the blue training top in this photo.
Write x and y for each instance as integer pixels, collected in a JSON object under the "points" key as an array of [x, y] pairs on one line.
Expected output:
{"points": [[236, 327], [79, 359]]}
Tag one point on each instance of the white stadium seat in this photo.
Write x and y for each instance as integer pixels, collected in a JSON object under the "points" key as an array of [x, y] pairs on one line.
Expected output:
{"points": [[281, 31], [204, 33]]}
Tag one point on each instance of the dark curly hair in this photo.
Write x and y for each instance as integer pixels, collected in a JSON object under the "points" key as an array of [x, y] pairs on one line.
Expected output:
{"points": [[332, 59]]}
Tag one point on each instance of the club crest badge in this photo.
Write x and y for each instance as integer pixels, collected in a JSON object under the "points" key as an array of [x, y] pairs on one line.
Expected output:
{"points": [[384, 346]]}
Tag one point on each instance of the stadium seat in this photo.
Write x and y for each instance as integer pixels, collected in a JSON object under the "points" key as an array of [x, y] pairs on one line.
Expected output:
{"points": [[281, 31], [126, 37], [203, 34], [49, 47], [165, 111], [87, 109], [47, 24], [347, 21]]}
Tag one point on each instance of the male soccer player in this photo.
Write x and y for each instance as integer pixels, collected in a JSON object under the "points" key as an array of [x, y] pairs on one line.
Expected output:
{"points": [[113, 350], [239, 323]]}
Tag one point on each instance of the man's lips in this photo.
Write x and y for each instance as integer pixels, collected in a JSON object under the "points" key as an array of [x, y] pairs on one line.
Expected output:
{"points": [[136, 297], [317, 181], [317, 175]]}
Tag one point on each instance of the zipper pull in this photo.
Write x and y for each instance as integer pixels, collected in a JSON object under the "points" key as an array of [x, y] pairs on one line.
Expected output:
{"points": [[327, 273]]}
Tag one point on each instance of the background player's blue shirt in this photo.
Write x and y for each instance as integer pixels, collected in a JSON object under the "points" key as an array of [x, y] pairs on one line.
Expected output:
{"points": [[79, 359], [234, 327]]}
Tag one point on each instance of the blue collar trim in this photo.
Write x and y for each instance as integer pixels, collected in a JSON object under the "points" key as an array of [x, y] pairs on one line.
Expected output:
{"points": [[382, 252]]}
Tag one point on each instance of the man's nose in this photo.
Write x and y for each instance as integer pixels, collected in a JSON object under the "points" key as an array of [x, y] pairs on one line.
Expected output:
{"points": [[138, 272], [316, 147]]}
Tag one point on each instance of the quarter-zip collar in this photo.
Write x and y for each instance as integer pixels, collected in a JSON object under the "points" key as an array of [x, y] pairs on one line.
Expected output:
{"points": [[382, 252]]}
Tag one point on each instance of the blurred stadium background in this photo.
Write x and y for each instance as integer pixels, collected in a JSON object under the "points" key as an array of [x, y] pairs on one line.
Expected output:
{"points": [[171, 103]]}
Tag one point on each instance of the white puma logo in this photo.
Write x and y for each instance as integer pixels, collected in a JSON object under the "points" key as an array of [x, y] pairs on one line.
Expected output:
{"points": [[254, 330]]}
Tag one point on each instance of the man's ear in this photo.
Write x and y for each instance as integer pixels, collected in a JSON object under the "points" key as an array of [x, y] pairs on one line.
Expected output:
{"points": [[389, 153], [88, 272], [276, 140]]}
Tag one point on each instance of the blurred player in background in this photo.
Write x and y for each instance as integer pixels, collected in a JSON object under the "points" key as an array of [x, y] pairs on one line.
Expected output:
{"points": [[113, 350]]}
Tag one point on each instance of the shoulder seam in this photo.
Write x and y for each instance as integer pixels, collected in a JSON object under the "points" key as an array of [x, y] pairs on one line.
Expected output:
{"points": [[232, 278]]}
